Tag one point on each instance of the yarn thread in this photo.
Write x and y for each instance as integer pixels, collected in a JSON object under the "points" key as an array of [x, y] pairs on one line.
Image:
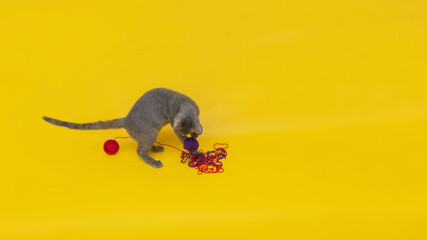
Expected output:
{"points": [[209, 162]]}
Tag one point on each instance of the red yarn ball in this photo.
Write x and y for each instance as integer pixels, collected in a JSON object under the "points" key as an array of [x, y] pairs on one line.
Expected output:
{"points": [[111, 146]]}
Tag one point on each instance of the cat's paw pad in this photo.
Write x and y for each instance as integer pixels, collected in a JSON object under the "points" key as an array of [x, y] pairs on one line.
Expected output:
{"points": [[157, 149], [157, 164]]}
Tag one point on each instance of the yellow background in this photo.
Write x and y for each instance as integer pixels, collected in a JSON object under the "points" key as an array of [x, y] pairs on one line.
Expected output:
{"points": [[323, 103]]}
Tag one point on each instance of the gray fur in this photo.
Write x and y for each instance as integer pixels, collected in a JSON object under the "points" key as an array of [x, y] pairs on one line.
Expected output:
{"points": [[116, 123], [151, 112]]}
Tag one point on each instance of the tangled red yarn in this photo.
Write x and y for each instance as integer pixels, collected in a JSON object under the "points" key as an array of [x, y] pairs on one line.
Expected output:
{"points": [[209, 162]]}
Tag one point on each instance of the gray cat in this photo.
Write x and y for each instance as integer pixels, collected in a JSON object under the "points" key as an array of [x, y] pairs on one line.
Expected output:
{"points": [[151, 112]]}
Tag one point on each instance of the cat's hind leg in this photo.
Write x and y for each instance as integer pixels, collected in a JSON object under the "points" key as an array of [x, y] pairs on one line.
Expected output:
{"points": [[145, 143]]}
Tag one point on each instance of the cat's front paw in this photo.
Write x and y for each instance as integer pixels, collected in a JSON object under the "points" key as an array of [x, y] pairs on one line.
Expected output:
{"points": [[157, 164]]}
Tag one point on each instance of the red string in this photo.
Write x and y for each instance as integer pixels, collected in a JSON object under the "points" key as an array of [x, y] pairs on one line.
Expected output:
{"points": [[120, 137], [209, 162]]}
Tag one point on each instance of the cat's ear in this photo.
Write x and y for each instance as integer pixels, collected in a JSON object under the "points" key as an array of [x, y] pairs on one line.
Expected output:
{"points": [[197, 128], [177, 122]]}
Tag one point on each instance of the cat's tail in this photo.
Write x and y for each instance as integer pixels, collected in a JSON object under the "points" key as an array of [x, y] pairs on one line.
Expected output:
{"points": [[115, 123]]}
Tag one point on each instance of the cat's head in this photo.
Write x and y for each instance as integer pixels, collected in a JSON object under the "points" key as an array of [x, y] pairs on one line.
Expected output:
{"points": [[187, 125]]}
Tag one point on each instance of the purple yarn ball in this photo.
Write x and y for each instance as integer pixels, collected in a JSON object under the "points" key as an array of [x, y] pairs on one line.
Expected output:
{"points": [[191, 145]]}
